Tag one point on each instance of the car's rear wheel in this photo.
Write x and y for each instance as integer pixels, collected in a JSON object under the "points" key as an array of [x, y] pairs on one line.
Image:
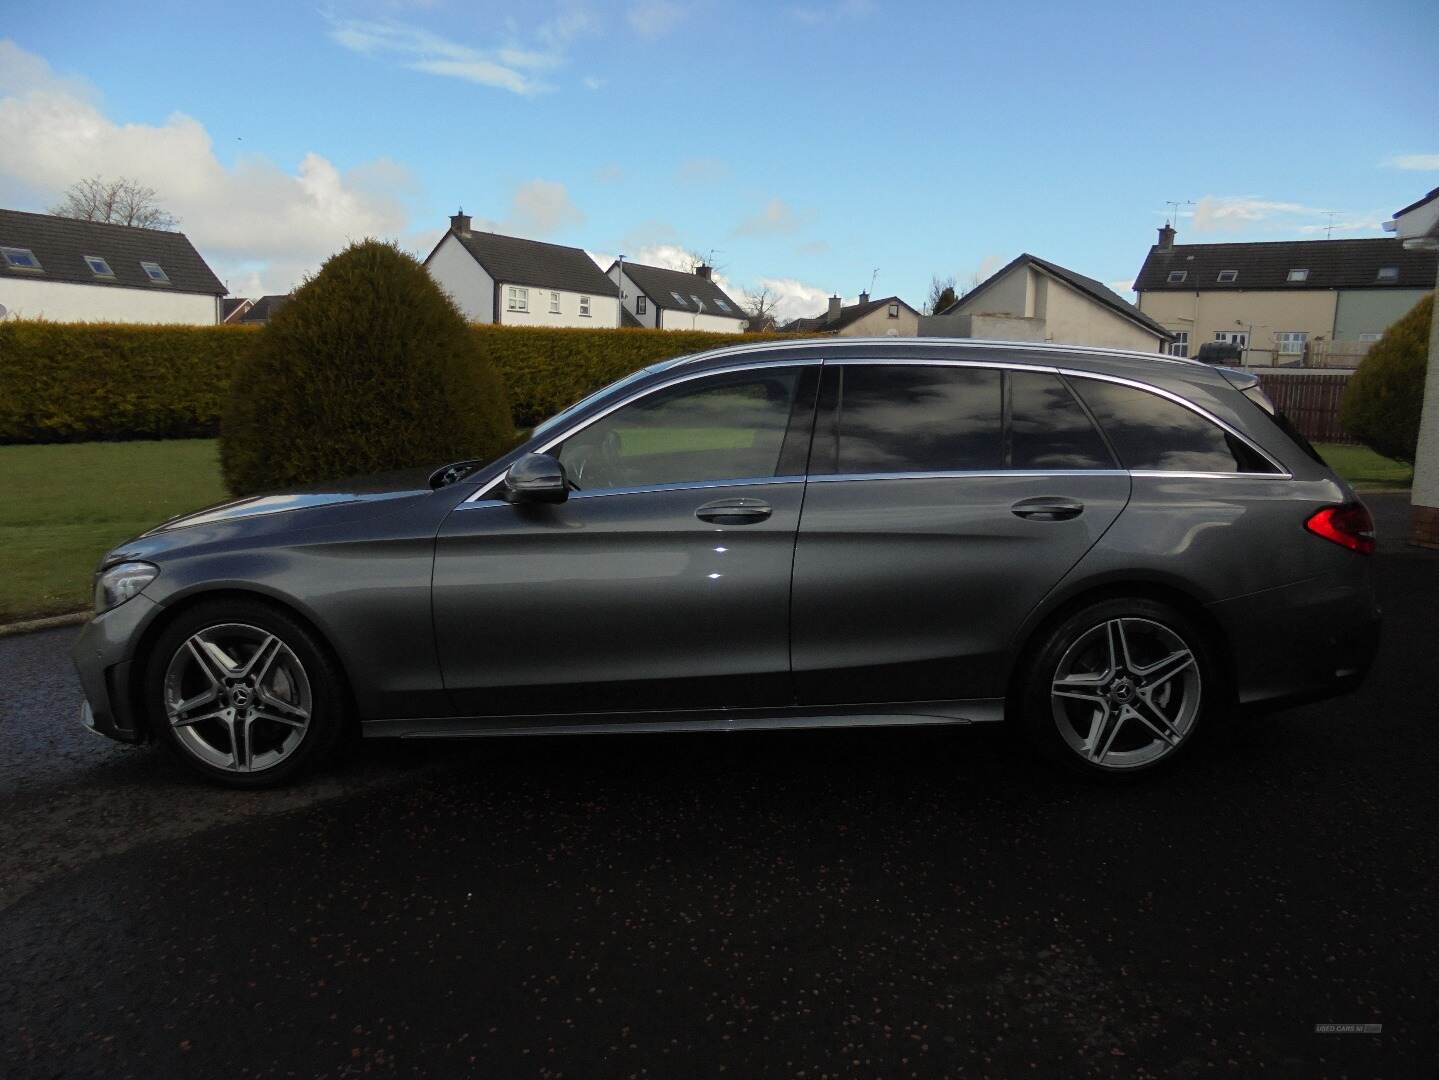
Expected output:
{"points": [[243, 693], [1120, 688]]}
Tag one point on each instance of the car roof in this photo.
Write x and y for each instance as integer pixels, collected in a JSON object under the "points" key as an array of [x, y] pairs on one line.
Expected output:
{"points": [[1126, 362]]}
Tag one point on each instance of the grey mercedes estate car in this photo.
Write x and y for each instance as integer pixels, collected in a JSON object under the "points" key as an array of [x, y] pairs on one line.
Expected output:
{"points": [[1110, 551]]}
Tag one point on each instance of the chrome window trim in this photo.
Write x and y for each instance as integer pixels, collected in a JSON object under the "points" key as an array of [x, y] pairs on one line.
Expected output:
{"points": [[1181, 474], [550, 444], [961, 474], [1281, 474], [642, 489]]}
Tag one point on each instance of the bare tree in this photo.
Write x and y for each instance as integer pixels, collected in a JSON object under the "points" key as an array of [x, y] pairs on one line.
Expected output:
{"points": [[119, 202], [941, 294], [759, 305]]}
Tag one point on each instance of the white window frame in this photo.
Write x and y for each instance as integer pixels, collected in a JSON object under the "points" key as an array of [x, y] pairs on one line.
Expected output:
{"points": [[1227, 277], [1180, 345], [155, 272], [517, 298], [90, 261], [1387, 274], [554, 302], [1234, 337], [1291, 342], [1370, 336], [9, 254], [641, 305], [1298, 274], [1176, 277], [894, 311], [585, 306]]}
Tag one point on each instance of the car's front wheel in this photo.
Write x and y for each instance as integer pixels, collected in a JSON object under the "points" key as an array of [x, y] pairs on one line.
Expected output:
{"points": [[243, 693], [1119, 688]]}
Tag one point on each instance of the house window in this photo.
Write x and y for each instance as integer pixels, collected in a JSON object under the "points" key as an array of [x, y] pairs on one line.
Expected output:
{"points": [[1180, 345], [641, 304], [554, 303], [1291, 342], [1389, 273], [517, 299], [722, 305], [696, 299], [1298, 275], [98, 266], [679, 299], [20, 258], [1370, 336], [894, 311], [1226, 276], [1234, 337], [1176, 276], [585, 306], [155, 272]]}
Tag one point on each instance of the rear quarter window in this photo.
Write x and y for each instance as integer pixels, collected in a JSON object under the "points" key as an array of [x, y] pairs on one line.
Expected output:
{"points": [[1150, 433]]}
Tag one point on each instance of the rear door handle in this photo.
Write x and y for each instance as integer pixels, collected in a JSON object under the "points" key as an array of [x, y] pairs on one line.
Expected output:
{"points": [[1047, 508], [735, 511]]}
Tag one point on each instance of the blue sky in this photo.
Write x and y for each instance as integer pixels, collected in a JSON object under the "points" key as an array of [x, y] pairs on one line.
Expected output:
{"points": [[808, 144]]}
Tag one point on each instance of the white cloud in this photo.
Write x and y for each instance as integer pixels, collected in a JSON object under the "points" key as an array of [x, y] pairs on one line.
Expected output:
{"points": [[655, 18], [1415, 162], [542, 207], [259, 225], [511, 66], [1124, 288], [776, 218], [1232, 213]]}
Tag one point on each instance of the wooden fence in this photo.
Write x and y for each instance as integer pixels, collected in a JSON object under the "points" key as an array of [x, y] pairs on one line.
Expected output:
{"points": [[1311, 399]]}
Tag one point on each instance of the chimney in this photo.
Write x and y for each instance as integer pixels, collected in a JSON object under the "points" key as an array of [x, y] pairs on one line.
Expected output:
{"points": [[460, 223], [835, 303], [1166, 237], [704, 271], [864, 298]]}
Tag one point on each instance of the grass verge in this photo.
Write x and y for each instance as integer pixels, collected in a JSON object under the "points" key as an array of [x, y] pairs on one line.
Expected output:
{"points": [[1364, 468]]}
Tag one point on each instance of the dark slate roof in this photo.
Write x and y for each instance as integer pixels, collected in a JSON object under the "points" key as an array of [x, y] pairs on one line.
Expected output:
{"points": [[823, 324], [265, 308], [627, 319], [1332, 264], [232, 304], [60, 244], [1097, 291], [511, 260], [660, 285]]}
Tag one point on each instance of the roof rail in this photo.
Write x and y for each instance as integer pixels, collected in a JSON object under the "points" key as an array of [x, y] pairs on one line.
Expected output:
{"points": [[853, 342]]}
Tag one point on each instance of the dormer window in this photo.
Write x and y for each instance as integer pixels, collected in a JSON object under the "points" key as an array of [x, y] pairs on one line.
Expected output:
{"points": [[20, 258], [1177, 276], [1227, 276], [155, 272], [1388, 274], [678, 299], [98, 266], [1298, 276]]}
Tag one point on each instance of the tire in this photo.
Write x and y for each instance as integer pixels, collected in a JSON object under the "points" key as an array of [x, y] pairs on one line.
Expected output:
{"points": [[1120, 689], [243, 693]]}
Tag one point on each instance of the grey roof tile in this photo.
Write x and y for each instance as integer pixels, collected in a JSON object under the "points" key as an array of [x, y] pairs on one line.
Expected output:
{"points": [[1332, 264], [512, 260], [661, 284]]}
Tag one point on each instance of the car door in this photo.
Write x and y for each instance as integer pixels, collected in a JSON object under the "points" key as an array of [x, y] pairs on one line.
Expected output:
{"points": [[662, 582], [945, 500]]}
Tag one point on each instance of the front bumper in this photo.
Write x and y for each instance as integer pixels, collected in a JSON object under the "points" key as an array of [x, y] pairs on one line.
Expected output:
{"points": [[104, 657]]}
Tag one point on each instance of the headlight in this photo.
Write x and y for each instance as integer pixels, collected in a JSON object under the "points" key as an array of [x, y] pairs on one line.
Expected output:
{"points": [[116, 584]]}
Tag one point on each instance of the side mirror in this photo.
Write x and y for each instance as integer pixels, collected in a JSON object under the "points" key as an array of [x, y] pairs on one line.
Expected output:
{"points": [[537, 478]]}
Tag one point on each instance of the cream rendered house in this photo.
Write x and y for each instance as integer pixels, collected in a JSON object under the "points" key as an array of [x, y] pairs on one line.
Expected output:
{"points": [[506, 279], [1033, 299], [890, 317], [1293, 302]]}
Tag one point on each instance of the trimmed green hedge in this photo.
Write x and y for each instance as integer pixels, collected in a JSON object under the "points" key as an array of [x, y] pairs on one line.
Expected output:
{"points": [[1385, 396], [74, 382]]}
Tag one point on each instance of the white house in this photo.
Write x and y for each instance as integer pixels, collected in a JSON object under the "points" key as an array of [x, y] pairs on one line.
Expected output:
{"points": [[505, 279], [674, 300], [1033, 299], [67, 270]]}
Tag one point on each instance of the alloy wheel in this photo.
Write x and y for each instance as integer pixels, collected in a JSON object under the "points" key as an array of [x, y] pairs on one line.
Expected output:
{"points": [[1126, 693], [237, 698]]}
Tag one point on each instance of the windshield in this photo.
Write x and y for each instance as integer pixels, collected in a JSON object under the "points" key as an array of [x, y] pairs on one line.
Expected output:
{"points": [[585, 402]]}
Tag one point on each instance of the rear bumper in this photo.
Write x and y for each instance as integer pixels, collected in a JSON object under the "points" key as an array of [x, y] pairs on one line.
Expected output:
{"points": [[1302, 642], [104, 658]]}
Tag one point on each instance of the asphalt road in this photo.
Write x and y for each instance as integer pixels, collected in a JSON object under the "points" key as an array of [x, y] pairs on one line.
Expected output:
{"points": [[866, 903]]}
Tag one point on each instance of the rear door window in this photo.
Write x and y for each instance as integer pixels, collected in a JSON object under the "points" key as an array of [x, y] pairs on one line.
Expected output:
{"points": [[1151, 433], [894, 418], [1048, 430]]}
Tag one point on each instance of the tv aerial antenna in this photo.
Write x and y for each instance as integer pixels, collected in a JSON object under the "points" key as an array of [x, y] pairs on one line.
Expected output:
{"points": [[1329, 229], [1172, 218]]}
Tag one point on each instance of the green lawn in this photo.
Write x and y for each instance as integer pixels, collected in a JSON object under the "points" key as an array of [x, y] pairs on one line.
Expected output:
{"points": [[1364, 468], [62, 507]]}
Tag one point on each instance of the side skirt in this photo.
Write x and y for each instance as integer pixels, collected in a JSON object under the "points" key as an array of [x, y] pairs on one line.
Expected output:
{"points": [[904, 714]]}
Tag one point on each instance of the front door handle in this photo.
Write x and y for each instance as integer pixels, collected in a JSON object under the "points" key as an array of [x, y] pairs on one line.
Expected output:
{"points": [[735, 511], [1047, 508]]}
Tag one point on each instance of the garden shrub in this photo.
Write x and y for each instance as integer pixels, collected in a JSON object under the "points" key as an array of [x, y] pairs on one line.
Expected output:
{"points": [[1385, 396], [370, 367]]}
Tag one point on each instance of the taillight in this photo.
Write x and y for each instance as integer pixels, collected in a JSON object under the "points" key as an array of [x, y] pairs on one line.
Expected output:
{"points": [[1349, 526]]}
